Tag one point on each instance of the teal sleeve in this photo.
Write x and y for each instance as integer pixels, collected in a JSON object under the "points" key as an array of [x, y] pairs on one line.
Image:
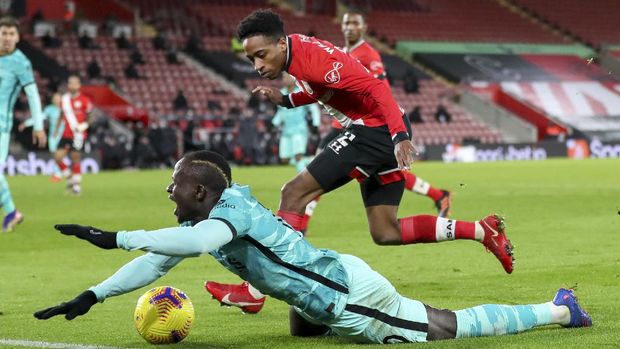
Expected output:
{"points": [[135, 274], [277, 119], [315, 113], [34, 102], [203, 237]]}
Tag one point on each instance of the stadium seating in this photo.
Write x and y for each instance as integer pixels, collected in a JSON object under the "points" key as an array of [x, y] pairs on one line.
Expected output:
{"points": [[595, 21], [160, 82], [462, 127], [448, 20]]}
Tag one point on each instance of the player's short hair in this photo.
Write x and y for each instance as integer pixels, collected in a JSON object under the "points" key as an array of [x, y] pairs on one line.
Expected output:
{"points": [[357, 13], [211, 168], [261, 22], [8, 21]]}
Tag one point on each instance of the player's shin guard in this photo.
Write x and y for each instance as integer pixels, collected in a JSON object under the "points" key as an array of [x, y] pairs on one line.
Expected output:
{"points": [[495, 320], [418, 185], [427, 228], [6, 199], [294, 219]]}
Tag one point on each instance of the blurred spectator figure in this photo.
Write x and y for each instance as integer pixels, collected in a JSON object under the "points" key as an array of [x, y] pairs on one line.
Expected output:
{"points": [[50, 41], [171, 56], [113, 154], [69, 16], [93, 70], [144, 154], [86, 42], [259, 104], [136, 56], [164, 141], [159, 42], [69, 11], [247, 135], [415, 117], [192, 45], [131, 72], [442, 115], [411, 83], [37, 17], [122, 43], [214, 105], [179, 102]]}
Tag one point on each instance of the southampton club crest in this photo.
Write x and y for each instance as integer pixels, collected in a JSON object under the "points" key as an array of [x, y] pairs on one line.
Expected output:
{"points": [[333, 76]]}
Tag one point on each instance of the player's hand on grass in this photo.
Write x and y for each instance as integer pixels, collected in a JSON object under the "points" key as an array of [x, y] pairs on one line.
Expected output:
{"points": [[96, 236], [273, 94], [80, 305], [404, 152], [40, 138]]}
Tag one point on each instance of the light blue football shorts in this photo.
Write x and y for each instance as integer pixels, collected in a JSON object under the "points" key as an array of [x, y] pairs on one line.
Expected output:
{"points": [[375, 312], [293, 145]]}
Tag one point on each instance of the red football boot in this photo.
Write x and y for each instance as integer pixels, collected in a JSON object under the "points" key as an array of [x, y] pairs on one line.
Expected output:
{"points": [[496, 242], [235, 295]]}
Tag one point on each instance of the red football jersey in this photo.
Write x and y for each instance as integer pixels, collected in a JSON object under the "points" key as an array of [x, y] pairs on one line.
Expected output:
{"points": [[75, 110], [371, 59], [329, 76]]}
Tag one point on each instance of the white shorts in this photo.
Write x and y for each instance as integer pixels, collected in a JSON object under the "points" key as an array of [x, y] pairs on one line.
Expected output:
{"points": [[375, 311]]}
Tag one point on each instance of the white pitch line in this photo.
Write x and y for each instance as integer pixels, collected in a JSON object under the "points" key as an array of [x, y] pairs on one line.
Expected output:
{"points": [[39, 344]]}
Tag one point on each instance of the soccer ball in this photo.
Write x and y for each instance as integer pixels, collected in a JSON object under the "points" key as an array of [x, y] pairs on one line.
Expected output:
{"points": [[164, 315]]}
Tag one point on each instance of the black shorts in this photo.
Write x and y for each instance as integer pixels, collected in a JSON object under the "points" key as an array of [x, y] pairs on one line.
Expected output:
{"points": [[333, 133], [68, 144], [366, 154]]}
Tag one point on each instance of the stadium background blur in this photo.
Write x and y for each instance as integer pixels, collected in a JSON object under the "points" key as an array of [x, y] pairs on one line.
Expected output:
{"points": [[519, 79]]}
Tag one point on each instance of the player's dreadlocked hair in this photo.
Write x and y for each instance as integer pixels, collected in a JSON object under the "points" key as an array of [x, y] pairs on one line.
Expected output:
{"points": [[261, 22], [211, 168]]}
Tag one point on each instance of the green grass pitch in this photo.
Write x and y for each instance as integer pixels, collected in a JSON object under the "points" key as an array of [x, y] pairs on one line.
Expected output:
{"points": [[562, 217]]}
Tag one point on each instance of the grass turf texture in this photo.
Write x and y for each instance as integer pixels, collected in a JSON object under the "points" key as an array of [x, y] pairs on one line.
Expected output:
{"points": [[561, 215]]}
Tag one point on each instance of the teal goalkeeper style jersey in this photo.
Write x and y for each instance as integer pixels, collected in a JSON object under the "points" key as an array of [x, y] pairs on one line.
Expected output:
{"points": [[293, 120], [276, 259], [15, 74], [250, 241]]}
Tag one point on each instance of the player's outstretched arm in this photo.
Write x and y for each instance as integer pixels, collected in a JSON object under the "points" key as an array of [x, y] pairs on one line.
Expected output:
{"points": [[79, 305], [96, 236]]}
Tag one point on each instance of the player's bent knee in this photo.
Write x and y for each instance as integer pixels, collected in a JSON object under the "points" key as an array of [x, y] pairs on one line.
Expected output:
{"points": [[441, 324], [383, 237], [300, 327]]}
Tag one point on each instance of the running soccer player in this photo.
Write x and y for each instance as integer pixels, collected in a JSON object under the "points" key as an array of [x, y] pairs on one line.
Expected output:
{"points": [[329, 292], [295, 133], [15, 74], [51, 113], [374, 149], [76, 109]]}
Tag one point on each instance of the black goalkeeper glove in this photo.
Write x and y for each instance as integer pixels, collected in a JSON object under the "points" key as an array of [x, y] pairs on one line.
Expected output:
{"points": [[80, 305], [96, 236]]}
